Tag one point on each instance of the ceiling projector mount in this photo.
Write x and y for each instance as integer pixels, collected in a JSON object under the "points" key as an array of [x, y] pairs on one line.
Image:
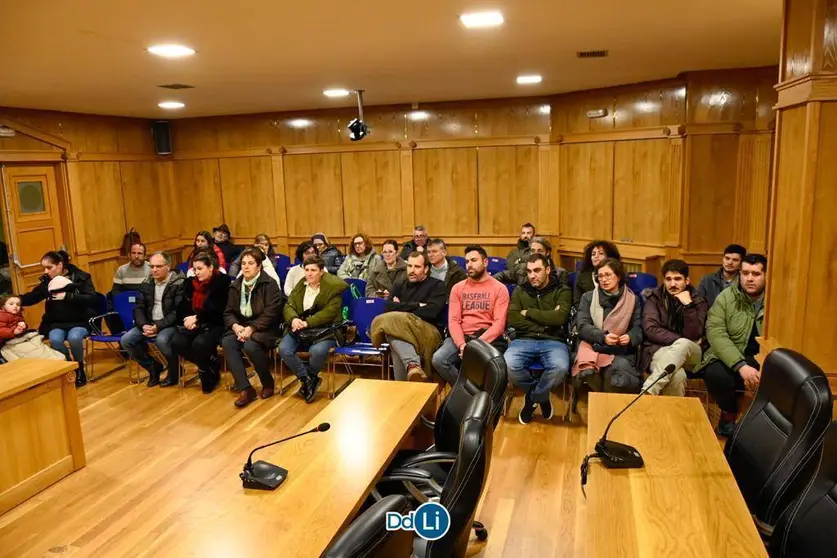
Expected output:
{"points": [[357, 128]]}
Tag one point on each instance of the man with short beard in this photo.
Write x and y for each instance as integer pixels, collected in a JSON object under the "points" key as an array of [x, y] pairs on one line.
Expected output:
{"points": [[732, 326], [129, 276], [477, 309], [673, 318], [712, 285], [518, 256]]}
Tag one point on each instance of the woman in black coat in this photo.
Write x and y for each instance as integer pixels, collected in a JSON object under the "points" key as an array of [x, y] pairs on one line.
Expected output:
{"points": [[253, 316], [68, 308], [201, 318]]}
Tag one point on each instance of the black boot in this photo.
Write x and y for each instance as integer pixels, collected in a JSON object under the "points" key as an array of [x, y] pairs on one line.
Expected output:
{"points": [[314, 382], [305, 387], [154, 375], [81, 377], [172, 379]]}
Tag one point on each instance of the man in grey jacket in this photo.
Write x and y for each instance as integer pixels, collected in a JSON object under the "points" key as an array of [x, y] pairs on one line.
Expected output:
{"points": [[712, 285]]}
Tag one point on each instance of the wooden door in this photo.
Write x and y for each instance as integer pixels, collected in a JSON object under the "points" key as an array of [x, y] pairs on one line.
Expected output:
{"points": [[30, 208]]}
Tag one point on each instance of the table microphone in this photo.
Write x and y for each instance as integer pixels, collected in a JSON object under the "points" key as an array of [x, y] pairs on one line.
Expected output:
{"points": [[262, 475], [622, 456]]}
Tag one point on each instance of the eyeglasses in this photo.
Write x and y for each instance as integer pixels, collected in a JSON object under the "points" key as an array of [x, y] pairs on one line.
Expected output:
{"points": [[358, 243], [605, 276]]}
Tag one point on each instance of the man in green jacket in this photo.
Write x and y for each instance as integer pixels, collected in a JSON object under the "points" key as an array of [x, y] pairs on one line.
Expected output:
{"points": [[538, 312], [521, 251], [732, 325]]}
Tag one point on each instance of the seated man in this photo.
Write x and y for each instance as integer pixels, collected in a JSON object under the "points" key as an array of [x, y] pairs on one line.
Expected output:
{"points": [[538, 312], [414, 311], [673, 318], [477, 309], [711, 285], [129, 276], [155, 318], [417, 244], [732, 325], [519, 256], [442, 267]]}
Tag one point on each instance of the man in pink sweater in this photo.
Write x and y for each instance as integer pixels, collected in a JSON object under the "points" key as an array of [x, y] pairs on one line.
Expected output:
{"points": [[477, 309]]}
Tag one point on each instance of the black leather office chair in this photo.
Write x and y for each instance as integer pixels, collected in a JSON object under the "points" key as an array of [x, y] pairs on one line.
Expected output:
{"points": [[368, 537], [809, 526], [776, 446], [465, 484], [484, 369]]}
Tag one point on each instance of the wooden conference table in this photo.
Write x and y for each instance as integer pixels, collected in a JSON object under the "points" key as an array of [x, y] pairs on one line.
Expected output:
{"points": [[40, 430], [329, 476], [683, 503]]}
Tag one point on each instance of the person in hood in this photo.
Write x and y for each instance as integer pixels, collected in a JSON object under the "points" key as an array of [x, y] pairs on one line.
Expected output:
{"points": [[330, 254], [538, 312], [388, 271], [362, 258], [520, 254], [673, 319], [67, 309]]}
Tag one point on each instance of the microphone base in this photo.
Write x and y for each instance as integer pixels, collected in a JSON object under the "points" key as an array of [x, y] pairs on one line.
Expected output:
{"points": [[614, 455], [263, 476]]}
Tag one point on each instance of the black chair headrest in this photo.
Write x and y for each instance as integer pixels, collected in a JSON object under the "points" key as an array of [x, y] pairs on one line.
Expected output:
{"points": [[784, 375]]}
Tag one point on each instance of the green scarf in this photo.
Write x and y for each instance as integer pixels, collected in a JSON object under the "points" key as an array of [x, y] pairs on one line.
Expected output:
{"points": [[246, 293]]}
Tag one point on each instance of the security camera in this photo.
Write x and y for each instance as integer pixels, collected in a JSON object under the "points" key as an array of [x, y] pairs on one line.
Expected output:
{"points": [[357, 128]]}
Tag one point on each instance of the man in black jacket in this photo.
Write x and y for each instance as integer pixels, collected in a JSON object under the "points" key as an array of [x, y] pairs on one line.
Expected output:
{"points": [[420, 304], [711, 285], [155, 319]]}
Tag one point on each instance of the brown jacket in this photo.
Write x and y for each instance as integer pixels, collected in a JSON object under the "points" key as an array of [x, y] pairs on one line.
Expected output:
{"points": [[266, 301], [655, 332]]}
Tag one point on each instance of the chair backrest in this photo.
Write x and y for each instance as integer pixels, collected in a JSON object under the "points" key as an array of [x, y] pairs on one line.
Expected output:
{"points": [[183, 267], [282, 263], [496, 265], [123, 304], [807, 528], [510, 287], [484, 369], [638, 281], [99, 308], [459, 260], [357, 285], [362, 311], [368, 537], [572, 277], [776, 446], [466, 481]]}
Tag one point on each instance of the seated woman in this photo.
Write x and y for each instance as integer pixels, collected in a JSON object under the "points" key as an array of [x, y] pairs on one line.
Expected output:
{"points": [[610, 329], [205, 241], [386, 272], [262, 242], [517, 275], [70, 299], [360, 261], [252, 318], [314, 303], [331, 255], [594, 254], [297, 273], [201, 318]]}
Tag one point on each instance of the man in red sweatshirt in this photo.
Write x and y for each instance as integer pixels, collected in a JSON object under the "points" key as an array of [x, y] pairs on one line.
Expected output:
{"points": [[477, 309]]}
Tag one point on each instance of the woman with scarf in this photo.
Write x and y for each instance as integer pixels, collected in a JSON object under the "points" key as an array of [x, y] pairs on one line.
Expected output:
{"points": [[594, 254], [201, 318], [361, 259], [253, 316], [610, 329]]}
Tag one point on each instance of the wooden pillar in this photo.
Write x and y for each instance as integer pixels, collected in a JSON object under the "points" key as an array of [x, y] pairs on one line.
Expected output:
{"points": [[801, 307]]}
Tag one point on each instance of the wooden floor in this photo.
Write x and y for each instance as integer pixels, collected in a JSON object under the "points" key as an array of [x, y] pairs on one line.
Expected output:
{"points": [[148, 450]]}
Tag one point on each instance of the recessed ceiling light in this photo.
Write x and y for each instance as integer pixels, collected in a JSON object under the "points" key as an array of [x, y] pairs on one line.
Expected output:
{"points": [[418, 115], [171, 105], [171, 51], [529, 80], [477, 20], [299, 123], [336, 92]]}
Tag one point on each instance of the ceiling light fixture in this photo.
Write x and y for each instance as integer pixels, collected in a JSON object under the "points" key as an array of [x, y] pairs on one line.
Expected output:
{"points": [[171, 51], [418, 115], [299, 123], [171, 105], [529, 80], [336, 92], [480, 20]]}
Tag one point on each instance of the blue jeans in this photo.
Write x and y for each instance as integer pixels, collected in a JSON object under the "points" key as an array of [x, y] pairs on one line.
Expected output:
{"points": [[317, 355], [75, 336], [136, 344], [523, 353], [446, 361]]}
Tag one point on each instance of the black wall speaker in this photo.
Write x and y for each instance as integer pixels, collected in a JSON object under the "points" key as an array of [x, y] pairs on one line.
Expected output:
{"points": [[162, 137]]}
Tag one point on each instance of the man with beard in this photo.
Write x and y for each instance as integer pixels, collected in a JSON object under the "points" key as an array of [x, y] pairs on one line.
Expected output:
{"points": [[673, 318], [413, 317], [129, 276], [521, 251], [732, 326], [538, 312], [712, 285], [477, 309]]}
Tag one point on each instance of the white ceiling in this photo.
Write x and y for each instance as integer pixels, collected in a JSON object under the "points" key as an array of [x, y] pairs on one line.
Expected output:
{"points": [[269, 55]]}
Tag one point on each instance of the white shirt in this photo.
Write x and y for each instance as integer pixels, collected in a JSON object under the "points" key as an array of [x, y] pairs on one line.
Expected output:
{"points": [[159, 289], [295, 275], [310, 295]]}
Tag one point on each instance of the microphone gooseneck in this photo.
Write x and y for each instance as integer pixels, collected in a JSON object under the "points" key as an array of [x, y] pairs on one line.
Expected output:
{"points": [[322, 427]]}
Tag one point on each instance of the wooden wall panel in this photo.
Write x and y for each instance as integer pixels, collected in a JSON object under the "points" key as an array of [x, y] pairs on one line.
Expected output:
{"points": [[21, 142], [314, 194], [586, 190], [102, 273], [508, 188], [732, 96], [642, 170], [752, 191], [371, 192], [549, 179], [798, 24], [198, 185], [247, 194], [102, 205], [445, 185], [149, 200], [712, 177]]}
